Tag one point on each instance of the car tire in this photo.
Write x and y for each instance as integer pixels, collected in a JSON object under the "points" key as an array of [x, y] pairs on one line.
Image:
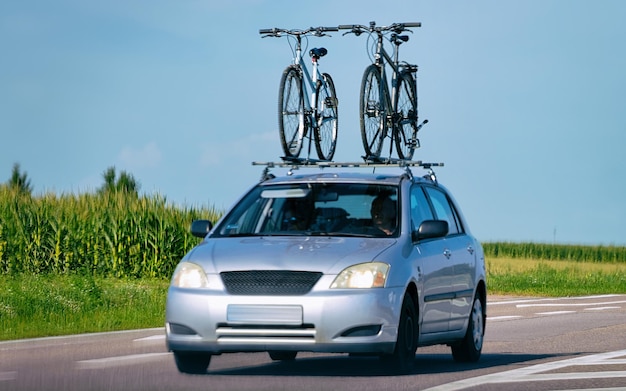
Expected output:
{"points": [[403, 357], [282, 355], [470, 348], [192, 362]]}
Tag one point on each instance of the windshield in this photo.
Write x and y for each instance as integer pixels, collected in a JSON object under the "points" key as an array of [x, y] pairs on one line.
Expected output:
{"points": [[344, 209]]}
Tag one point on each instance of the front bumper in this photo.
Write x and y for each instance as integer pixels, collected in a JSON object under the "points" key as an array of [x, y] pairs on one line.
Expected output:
{"points": [[331, 321]]}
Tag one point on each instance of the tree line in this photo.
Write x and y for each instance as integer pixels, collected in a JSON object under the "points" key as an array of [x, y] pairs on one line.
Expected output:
{"points": [[124, 182]]}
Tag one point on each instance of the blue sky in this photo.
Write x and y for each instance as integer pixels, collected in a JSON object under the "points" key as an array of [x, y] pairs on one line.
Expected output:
{"points": [[525, 100]]}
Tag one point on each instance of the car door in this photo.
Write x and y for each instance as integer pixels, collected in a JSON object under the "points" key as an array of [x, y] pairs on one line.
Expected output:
{"points": [[460, 254], [434, 269]]}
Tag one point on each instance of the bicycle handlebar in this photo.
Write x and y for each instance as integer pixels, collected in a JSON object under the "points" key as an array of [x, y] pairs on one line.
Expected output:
{"points": [[317, 31], [357, 29]]}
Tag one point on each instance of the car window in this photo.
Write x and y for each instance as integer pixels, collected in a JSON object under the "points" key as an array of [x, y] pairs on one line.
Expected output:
{"points": [[313, 209], [420, 209], [444, 210]]}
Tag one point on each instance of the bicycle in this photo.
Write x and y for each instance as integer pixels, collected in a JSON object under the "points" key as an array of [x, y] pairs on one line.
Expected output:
{"points": [[381, 108], [299, 116]]}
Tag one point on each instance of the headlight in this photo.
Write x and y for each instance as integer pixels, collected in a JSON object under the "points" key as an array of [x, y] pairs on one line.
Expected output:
{"points": [[189, 275], [364, 275]]}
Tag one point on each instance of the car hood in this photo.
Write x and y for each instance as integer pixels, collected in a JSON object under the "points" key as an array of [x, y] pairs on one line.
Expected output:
{"points": [[328, 255]]}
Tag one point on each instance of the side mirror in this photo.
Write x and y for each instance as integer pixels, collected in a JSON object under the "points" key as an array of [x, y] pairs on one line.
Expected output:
{"points": [[430, 229], [200, 228]]}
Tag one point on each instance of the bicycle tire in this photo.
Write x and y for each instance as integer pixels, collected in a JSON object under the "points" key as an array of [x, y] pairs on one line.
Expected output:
{"points": [[328, 118], [291, 119], [405, 124], [373, 109]]}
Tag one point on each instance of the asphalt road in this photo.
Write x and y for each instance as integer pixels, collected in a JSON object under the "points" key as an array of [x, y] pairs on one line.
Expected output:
{"points": [[530, 344]]}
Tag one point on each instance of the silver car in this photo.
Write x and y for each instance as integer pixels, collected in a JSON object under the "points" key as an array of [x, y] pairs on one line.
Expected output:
{"points": [[366, 264]]}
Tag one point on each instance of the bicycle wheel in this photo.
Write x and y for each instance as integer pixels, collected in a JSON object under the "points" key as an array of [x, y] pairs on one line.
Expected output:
{"points": [[373, 112], [405, 126], [291, 122], [327, 111]]}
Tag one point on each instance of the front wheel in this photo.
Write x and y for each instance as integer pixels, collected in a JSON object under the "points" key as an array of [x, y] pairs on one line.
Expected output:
{"points": [[192, 362], [405, 124], [470, 348], [403, 356], [373, 110], [327, 118], [291, 121]]}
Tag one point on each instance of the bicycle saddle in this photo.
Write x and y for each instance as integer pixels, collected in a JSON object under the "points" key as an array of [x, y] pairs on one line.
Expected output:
{"points": [[318, 52]]}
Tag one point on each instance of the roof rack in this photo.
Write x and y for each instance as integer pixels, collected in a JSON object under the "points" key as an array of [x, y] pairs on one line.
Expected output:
{"points": [[296, 163]]}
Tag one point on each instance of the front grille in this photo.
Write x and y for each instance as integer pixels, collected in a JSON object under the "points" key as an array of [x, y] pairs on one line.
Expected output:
{"points": [[269, 282]]}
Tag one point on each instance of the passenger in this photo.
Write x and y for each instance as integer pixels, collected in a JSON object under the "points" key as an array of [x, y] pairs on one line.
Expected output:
{"points": [[296, 215], [383, 212]]}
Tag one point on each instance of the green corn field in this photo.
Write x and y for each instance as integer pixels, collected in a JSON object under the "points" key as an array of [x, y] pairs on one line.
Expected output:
{"points": [[120, 234], [556, 252], [110, 234]]}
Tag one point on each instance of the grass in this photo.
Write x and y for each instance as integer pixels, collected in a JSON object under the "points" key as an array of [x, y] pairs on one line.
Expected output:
{"points": [[49, 305], [533, 277], [56, 304]]}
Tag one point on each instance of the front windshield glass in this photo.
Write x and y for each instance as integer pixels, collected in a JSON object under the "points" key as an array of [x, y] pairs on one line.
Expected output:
{"points": [[344, 209]]}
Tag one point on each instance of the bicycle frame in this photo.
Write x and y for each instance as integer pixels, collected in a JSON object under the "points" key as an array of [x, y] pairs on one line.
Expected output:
{"points": [[309, 86], [381, 60]]}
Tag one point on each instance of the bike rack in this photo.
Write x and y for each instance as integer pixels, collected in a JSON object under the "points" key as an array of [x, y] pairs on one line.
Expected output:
{"points": [[297, 163]]}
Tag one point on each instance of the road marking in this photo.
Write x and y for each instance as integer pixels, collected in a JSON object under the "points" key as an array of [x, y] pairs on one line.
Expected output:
{"points": [[602, 308], [551, 299], [490, 303], [5, 376], [538, 372], [150, 338], [504, 317], [555, 313], [13, 343], [117, 361], [570, 304], [598, 389]]}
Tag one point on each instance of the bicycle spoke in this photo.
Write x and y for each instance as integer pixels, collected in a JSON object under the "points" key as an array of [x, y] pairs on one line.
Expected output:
{"points": [[326, 129], [405, 127], [291, 113], [373, 113]]}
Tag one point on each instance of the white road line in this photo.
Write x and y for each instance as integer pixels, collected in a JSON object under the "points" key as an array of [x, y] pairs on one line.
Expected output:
{"points": [[570, 304], [504, 317], [591, 297], [73, 337], [602, 308], [598, 389], [538, 372], [556, 313], [490, 303], [552, 299], [117, 361], [150, 338], [5, 376]]}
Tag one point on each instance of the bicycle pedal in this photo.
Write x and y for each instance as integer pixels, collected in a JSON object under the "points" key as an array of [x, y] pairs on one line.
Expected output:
{"points": [[330, 102]]}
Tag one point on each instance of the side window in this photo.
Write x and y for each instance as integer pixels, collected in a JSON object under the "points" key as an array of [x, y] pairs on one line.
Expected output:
{"points": [[444, 210], [420, 209]]}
